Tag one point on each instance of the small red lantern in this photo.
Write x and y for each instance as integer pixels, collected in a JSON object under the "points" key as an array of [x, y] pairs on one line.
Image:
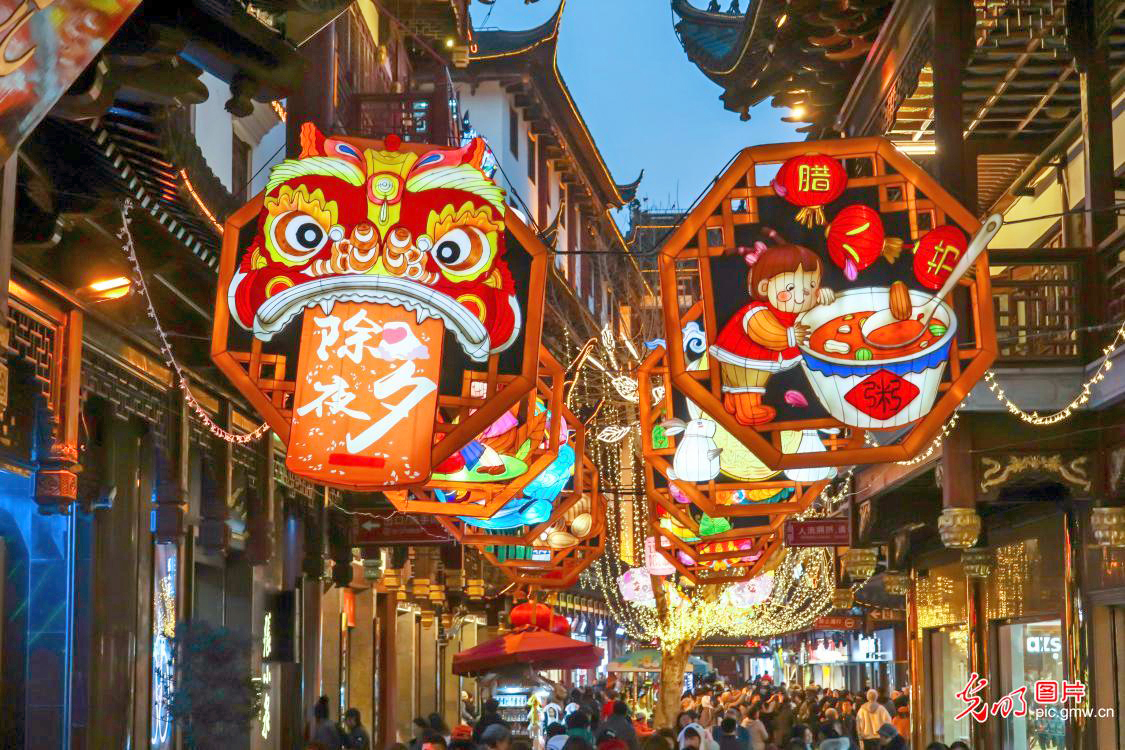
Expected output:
{"points": [[810, 181], [856, 240], [560, 625], [937, 253], [530, 613]]}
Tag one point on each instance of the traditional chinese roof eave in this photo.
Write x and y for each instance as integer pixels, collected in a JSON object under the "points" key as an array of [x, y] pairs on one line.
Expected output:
{"points": [[797, 52], [534, 54]]}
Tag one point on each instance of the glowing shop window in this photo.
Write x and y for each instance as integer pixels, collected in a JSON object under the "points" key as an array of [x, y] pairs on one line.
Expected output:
{"points": [[1030, 652]]}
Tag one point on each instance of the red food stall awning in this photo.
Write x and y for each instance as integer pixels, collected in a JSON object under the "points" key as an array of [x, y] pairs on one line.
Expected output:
{"points": [[529, 646]]}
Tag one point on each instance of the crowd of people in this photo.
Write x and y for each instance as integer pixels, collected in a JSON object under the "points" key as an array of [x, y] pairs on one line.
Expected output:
{"points": [[758, 715]]}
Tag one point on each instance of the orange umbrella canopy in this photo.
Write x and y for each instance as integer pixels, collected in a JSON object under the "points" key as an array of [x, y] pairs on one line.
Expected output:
{"points": [[538, 649]]}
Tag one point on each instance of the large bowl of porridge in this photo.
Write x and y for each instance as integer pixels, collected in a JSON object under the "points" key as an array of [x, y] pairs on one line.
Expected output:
{"points": [[868, 387]]}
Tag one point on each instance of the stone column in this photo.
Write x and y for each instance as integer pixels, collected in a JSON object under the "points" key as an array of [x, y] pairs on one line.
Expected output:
{"points": [[361, 656], [405, 688], [427, 668], [386, 720]]}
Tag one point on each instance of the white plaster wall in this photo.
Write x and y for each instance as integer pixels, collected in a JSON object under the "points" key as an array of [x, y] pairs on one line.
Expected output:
{"points": [[214, 128], [269, 152], [1050, 200]]}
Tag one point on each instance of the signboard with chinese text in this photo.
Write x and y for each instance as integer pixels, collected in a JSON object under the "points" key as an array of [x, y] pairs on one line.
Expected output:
{"points": [[377, 529], [818, 532], [809, 316], [837, 622], [358, 291]]}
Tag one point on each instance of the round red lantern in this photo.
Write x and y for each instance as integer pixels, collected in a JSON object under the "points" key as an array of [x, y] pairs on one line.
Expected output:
{"points": [[937, 253], [530, 613], [810, 181], [856, 240], [560, 625]]}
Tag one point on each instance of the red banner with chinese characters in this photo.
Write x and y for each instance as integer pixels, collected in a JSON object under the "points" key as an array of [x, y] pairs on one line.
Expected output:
{"points": [[44, 46], [837, 622], [399, 529], [818, 532]]}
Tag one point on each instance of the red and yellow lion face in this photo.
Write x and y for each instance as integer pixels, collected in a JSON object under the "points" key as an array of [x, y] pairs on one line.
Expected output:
{"points": [[424, 232]]}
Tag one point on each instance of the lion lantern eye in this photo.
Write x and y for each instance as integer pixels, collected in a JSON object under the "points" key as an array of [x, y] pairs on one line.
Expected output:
{"points": [[298, 236], [463, 251]]}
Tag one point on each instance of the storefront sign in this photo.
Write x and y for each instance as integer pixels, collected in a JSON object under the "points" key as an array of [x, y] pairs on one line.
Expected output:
{"points": [[366, 257], [837, 622], [876, 647], [398, 530], [818, 532], [1043, 644], [815, 324], [883, 614], [163, 652]]}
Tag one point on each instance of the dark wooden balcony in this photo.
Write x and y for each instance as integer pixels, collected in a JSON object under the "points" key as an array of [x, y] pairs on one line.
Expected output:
{"points": [[419, 117], [1038, 302]]}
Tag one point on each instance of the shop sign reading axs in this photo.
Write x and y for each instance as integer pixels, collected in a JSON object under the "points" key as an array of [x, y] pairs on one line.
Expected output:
{"points": [[358, 291]]}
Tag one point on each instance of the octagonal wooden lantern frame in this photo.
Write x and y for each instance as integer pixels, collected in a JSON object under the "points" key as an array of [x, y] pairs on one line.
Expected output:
{"points": [[464, 531], [253, 373], [489, 497], [564, 565], [691, 242], [704, 495]]}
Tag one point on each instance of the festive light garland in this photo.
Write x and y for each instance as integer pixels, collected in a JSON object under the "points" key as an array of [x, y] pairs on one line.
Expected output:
{"points": [[126, 237], [1083, 397], [199, 202]]}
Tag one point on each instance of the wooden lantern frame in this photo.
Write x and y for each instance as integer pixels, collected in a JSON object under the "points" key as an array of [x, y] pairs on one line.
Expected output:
{"points": [[550, 386], [565, 565], [255, 373], [464, 531], [901, 185]]}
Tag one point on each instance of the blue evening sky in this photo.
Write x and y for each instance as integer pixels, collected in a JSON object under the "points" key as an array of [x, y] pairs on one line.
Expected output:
{"points": [[643, 100]]}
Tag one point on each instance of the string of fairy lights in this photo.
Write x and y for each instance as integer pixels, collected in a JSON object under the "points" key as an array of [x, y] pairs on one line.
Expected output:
{"points": [[125, 234]]}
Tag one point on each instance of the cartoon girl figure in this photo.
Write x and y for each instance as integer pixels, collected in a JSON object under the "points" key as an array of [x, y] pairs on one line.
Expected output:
{"points": [[761, 338]]}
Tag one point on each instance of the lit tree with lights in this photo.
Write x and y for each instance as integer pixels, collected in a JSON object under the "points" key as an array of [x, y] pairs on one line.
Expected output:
{"points": [[676, 618]]}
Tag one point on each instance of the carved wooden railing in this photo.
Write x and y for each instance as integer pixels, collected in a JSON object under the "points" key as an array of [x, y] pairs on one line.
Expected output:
{"points": [[1038, 301]]}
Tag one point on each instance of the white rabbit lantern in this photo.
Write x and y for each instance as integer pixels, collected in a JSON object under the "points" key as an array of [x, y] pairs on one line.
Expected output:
{"points": [[697, 456], [811, 443]]}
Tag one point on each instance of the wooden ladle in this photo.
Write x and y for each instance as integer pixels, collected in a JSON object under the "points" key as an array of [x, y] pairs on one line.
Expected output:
{"points": [[885, 317]]}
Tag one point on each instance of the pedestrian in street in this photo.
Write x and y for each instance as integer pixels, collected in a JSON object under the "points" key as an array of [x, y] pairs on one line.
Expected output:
{"points": [[831, 739], [869, 718], [556, 736], [729, 736], [759, 736], [890, 739], [496, 736], [578, 725], [437, 724], [461, 738], [431, 740], [355, 735], [418, 727], [937, 746], [901, 717], [468, 710], [489, 716], [960, 745], [322, 730], [618, 722]]}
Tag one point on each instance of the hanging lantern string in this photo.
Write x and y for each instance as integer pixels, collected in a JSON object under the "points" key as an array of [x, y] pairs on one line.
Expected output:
{"points": [[126, 237]]}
